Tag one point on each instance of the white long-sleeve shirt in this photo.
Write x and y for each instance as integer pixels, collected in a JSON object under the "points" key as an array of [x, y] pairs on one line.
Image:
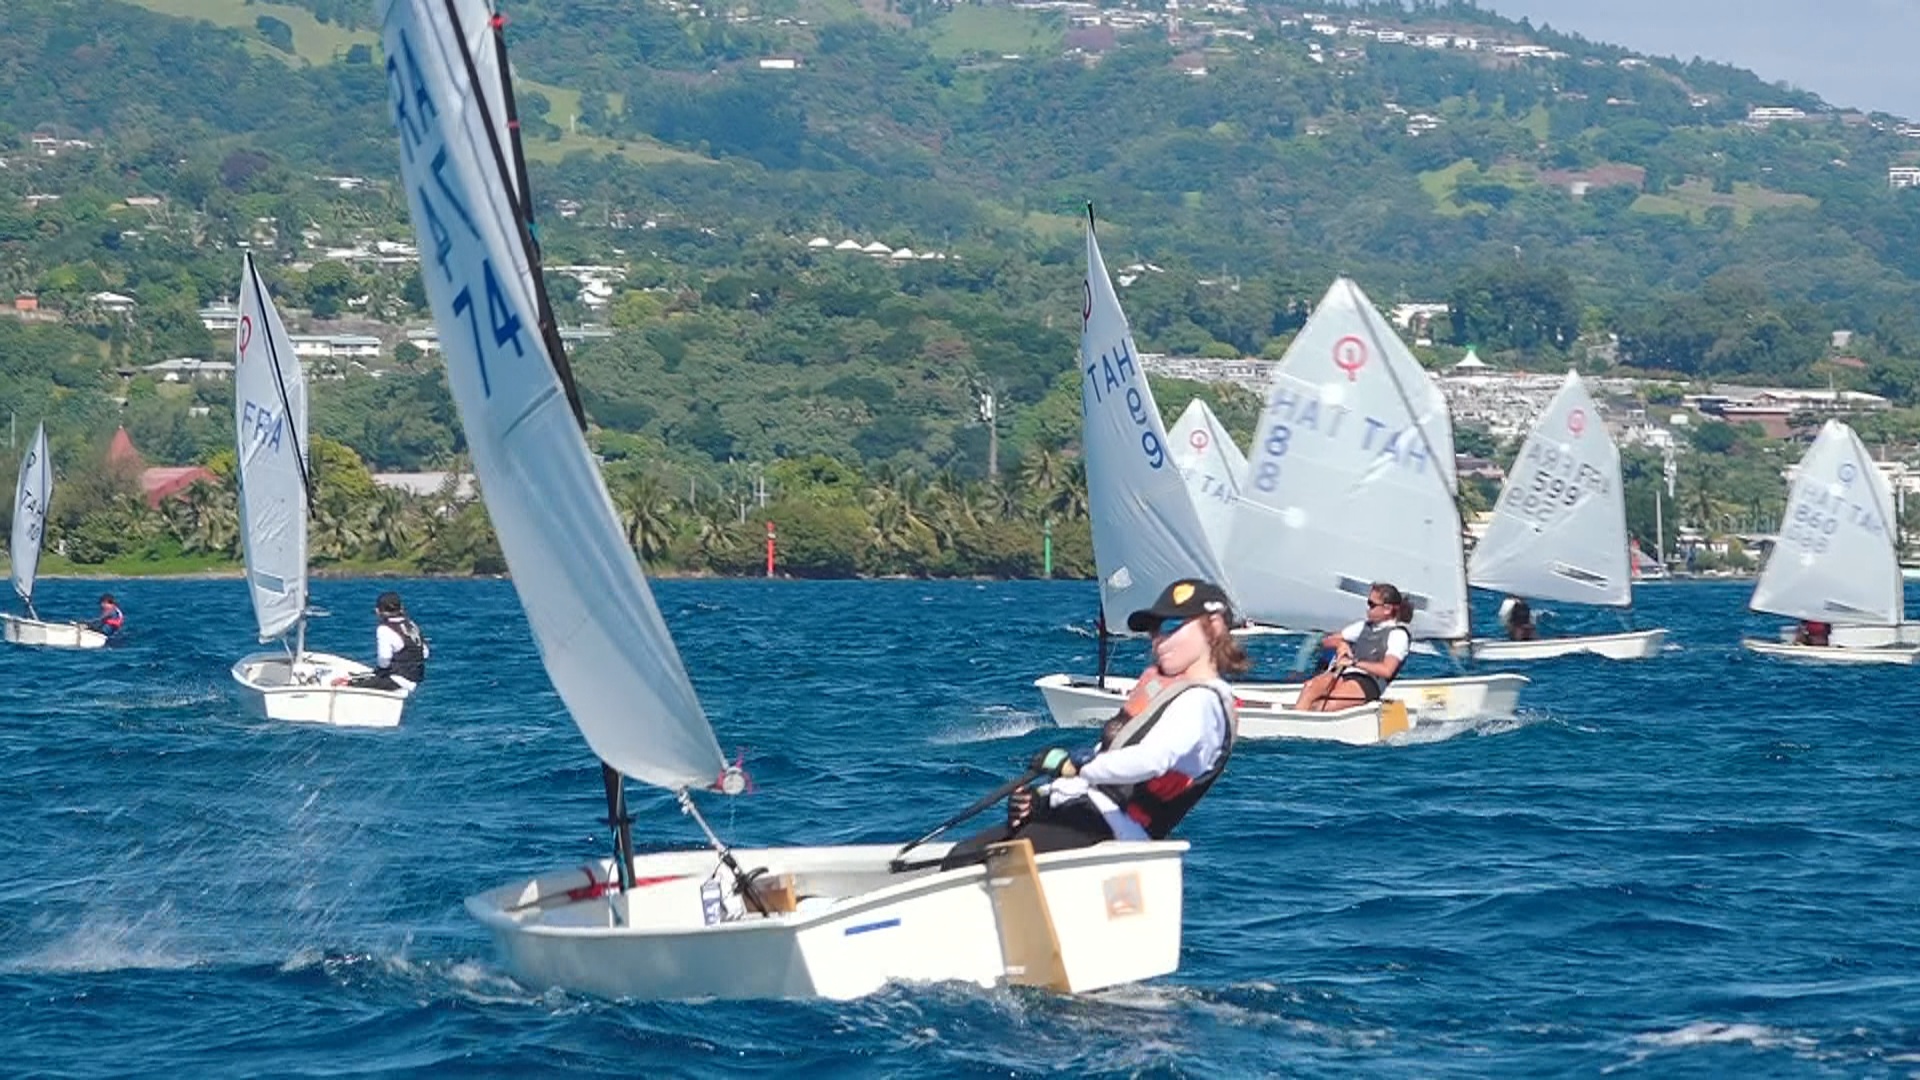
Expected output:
{"points": [[1188, 739]]}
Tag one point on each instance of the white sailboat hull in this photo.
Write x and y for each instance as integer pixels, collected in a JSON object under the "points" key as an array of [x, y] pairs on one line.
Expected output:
{"points": [[1264, 712], [1115, 909], [52, 635], [278, 689], [1634, 645], [1835, 654]]}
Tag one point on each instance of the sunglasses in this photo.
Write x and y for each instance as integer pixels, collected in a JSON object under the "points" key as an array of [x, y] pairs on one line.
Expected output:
{"points": [[1168, 627]]}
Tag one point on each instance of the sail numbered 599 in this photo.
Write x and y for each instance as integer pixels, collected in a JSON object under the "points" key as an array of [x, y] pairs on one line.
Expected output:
{"points": [[599, 632], [1559, 531]]}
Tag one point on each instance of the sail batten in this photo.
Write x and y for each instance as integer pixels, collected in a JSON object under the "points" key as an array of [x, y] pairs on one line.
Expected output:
{"points": [[1559, 530], [1835, 560], [270, 441], [1349, 481], [1146, 533], [30, 498], [594, 620]]}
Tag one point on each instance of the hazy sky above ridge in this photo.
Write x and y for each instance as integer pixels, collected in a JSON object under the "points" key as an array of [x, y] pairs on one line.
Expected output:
{"points": [[1853, 53]]}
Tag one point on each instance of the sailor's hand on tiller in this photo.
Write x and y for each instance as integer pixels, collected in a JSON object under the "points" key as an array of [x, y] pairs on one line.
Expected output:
{"points": [[1019, 808]]}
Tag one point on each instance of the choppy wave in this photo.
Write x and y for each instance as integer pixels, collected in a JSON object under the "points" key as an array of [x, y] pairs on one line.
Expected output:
{"points": [[1700, 864]]}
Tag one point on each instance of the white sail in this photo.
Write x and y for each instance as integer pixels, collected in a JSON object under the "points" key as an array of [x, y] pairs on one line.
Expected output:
{"points": [[600, 634], [1146, 533], [270, 437], [1834, 559], [1559, 531], [30, 500], [1348, 481], [1212, 466]]}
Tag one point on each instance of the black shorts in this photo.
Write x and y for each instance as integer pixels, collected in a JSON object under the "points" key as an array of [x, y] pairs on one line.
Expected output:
{"points": [[1368, 683]]}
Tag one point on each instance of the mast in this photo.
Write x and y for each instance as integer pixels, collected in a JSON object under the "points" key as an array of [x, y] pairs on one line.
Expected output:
{"points": [[615, 784]]}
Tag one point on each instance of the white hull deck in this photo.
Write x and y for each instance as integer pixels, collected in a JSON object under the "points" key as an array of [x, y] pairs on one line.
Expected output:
{"points": [[52, 635], [843, 926], [1630, 645], [278, 689], [1835, 654], [1264, 713]]}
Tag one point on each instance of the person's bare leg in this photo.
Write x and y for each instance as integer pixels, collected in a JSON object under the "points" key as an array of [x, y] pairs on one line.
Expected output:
{"points": [[1314, 692], [1346, 693]]}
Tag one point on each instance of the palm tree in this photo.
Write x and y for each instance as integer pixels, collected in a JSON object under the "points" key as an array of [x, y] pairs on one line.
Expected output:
{"points": [[717, 536], [1069, 500], [395, 531], [647, 512], [899, 528], [341, 526], [1042, 473]]}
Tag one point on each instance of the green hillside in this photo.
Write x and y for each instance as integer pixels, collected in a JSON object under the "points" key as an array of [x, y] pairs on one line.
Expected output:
{"points": [[1575, 203]]}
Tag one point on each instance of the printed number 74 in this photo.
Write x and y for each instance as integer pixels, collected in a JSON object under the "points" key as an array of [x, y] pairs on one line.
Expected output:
{"points": [[500, 317]]}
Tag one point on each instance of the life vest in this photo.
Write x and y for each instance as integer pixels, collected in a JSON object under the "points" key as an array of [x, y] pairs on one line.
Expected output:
{"points": [[1157, 805], [1372, 643], [410, 660], [113, 620]]}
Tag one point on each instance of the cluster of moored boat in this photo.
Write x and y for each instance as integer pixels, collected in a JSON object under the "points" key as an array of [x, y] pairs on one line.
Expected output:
{"points": [[1350, 480]]}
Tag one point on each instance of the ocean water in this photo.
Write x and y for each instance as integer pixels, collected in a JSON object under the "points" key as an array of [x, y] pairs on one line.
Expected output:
{"points": [[1705, 864]]}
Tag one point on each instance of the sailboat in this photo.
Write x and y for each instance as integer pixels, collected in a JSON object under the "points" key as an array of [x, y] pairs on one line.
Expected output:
{"points": [[30, 501], [1350, 481], [835, 922], [1148, 530], [1559, 532], [1834, 560], [270, 430], [1211, 463]]}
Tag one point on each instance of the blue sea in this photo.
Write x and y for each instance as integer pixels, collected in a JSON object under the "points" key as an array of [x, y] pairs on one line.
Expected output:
{"points": [[1705, 864]]}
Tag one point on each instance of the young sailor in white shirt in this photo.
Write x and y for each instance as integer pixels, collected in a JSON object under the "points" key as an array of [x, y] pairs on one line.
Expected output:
{"points": [[1158, 756], [1367, 655]]}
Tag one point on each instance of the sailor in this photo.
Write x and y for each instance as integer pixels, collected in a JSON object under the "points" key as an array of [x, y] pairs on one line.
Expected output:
{"points": [[1813, 632], [1517, 616], [1367, 655], [1159, 756], [111, 619], [400, 651]]}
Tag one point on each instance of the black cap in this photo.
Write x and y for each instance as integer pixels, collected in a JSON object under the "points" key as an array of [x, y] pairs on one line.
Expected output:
{"points": [[388, 601], [1184, 599]]}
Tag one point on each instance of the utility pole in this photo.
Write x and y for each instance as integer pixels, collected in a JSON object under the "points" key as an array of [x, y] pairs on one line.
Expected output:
{"points": [[989, 416]]}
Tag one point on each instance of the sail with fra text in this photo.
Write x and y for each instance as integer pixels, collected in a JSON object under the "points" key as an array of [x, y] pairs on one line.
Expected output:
{"points": [[270, 439]]}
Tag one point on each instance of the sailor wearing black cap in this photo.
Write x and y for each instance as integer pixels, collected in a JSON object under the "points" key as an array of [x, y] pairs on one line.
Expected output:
{"points": [[400, 650], [1158, 755]]}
